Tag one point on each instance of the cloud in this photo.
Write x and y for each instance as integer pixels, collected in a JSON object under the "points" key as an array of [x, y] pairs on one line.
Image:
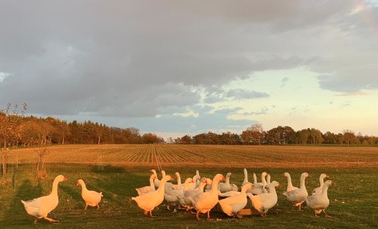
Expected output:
{"points": [[243, 94], [139, 59], [3, 75], [352, 94], [284, 81]]}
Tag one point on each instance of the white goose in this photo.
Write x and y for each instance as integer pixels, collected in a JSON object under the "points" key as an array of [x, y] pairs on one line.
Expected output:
{"points": [[259, 187], [150, 200], [297, 196], [91, 198], [265, 201], [319, 201], [157, 180], [168, 185], [198, 182], [290, 186], [232, 205], [192, 186], [321, 182], [205, 201], [42, 206], [179, 184], [245, 181], [186, 201], [146, 189], [266, 188], [226, 187], [172, 196]]}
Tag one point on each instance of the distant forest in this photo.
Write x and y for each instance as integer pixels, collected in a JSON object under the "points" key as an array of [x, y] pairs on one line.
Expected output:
{"points": [[18, 130]]}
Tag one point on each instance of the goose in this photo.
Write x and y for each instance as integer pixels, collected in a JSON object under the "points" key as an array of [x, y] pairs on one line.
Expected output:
{"points": [[172, 196], [40, 207], [185, 200], [319, 201], [179, 184], [232, 205], [265, 201], [150, 200], [230, 193], [254, 178], [321, 182], [266, 188], [198, 181], [297, 196], [146, 189], [91, 198], [225, 187], [245, 181], [259, 187], [205, 201], [290, 186], [168, 185], [193, 185], [156, 181]]}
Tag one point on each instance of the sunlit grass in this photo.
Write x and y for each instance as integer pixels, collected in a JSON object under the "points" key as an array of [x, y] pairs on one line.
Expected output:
{"points": [[353, 199]]}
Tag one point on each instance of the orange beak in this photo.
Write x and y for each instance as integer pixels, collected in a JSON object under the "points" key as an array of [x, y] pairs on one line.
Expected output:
{"points": [[64, 179]]}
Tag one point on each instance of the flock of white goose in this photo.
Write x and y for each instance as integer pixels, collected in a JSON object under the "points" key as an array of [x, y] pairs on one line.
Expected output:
{"points": [[202, 195]]}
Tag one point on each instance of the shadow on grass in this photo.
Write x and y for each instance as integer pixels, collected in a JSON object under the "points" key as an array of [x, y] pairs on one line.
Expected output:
{"points": [[16, 213]]}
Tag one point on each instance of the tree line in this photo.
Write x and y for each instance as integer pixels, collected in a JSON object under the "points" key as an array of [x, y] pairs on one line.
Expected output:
{"points": [[18, 130], [281, 135]]}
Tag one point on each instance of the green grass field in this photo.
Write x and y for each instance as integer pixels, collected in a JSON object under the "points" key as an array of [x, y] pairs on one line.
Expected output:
{"points": [[354, 199]]}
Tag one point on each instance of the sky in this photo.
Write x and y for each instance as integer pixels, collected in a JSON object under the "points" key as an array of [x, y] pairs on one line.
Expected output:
{"points": [[188, 67]]}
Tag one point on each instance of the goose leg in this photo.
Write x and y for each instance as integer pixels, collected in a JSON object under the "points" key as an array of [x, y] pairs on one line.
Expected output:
{"points": [[326, 215], [35, 221], [50, 220], [151, 214], [86, 206], [98, 206], [197, 215], [208, 215], [145, 212]]}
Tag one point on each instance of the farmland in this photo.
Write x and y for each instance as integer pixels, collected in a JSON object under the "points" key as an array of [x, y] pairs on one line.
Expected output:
{"points": [[125, 167], [206, 155]]}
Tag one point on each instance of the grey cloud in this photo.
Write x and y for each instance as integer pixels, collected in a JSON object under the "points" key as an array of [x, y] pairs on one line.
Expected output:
{"points": [[243, 94], [263, 111], [141, 58], [284, 81]]}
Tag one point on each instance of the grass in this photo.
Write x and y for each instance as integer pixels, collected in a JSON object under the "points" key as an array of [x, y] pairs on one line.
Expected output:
{"points": [[353, 199]]}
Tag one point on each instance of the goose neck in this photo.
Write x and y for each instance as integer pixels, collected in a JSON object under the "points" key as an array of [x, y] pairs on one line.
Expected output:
{"points": [[54, 191], [254, 178], [321, 181], [302, 182], [325, 190]]}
